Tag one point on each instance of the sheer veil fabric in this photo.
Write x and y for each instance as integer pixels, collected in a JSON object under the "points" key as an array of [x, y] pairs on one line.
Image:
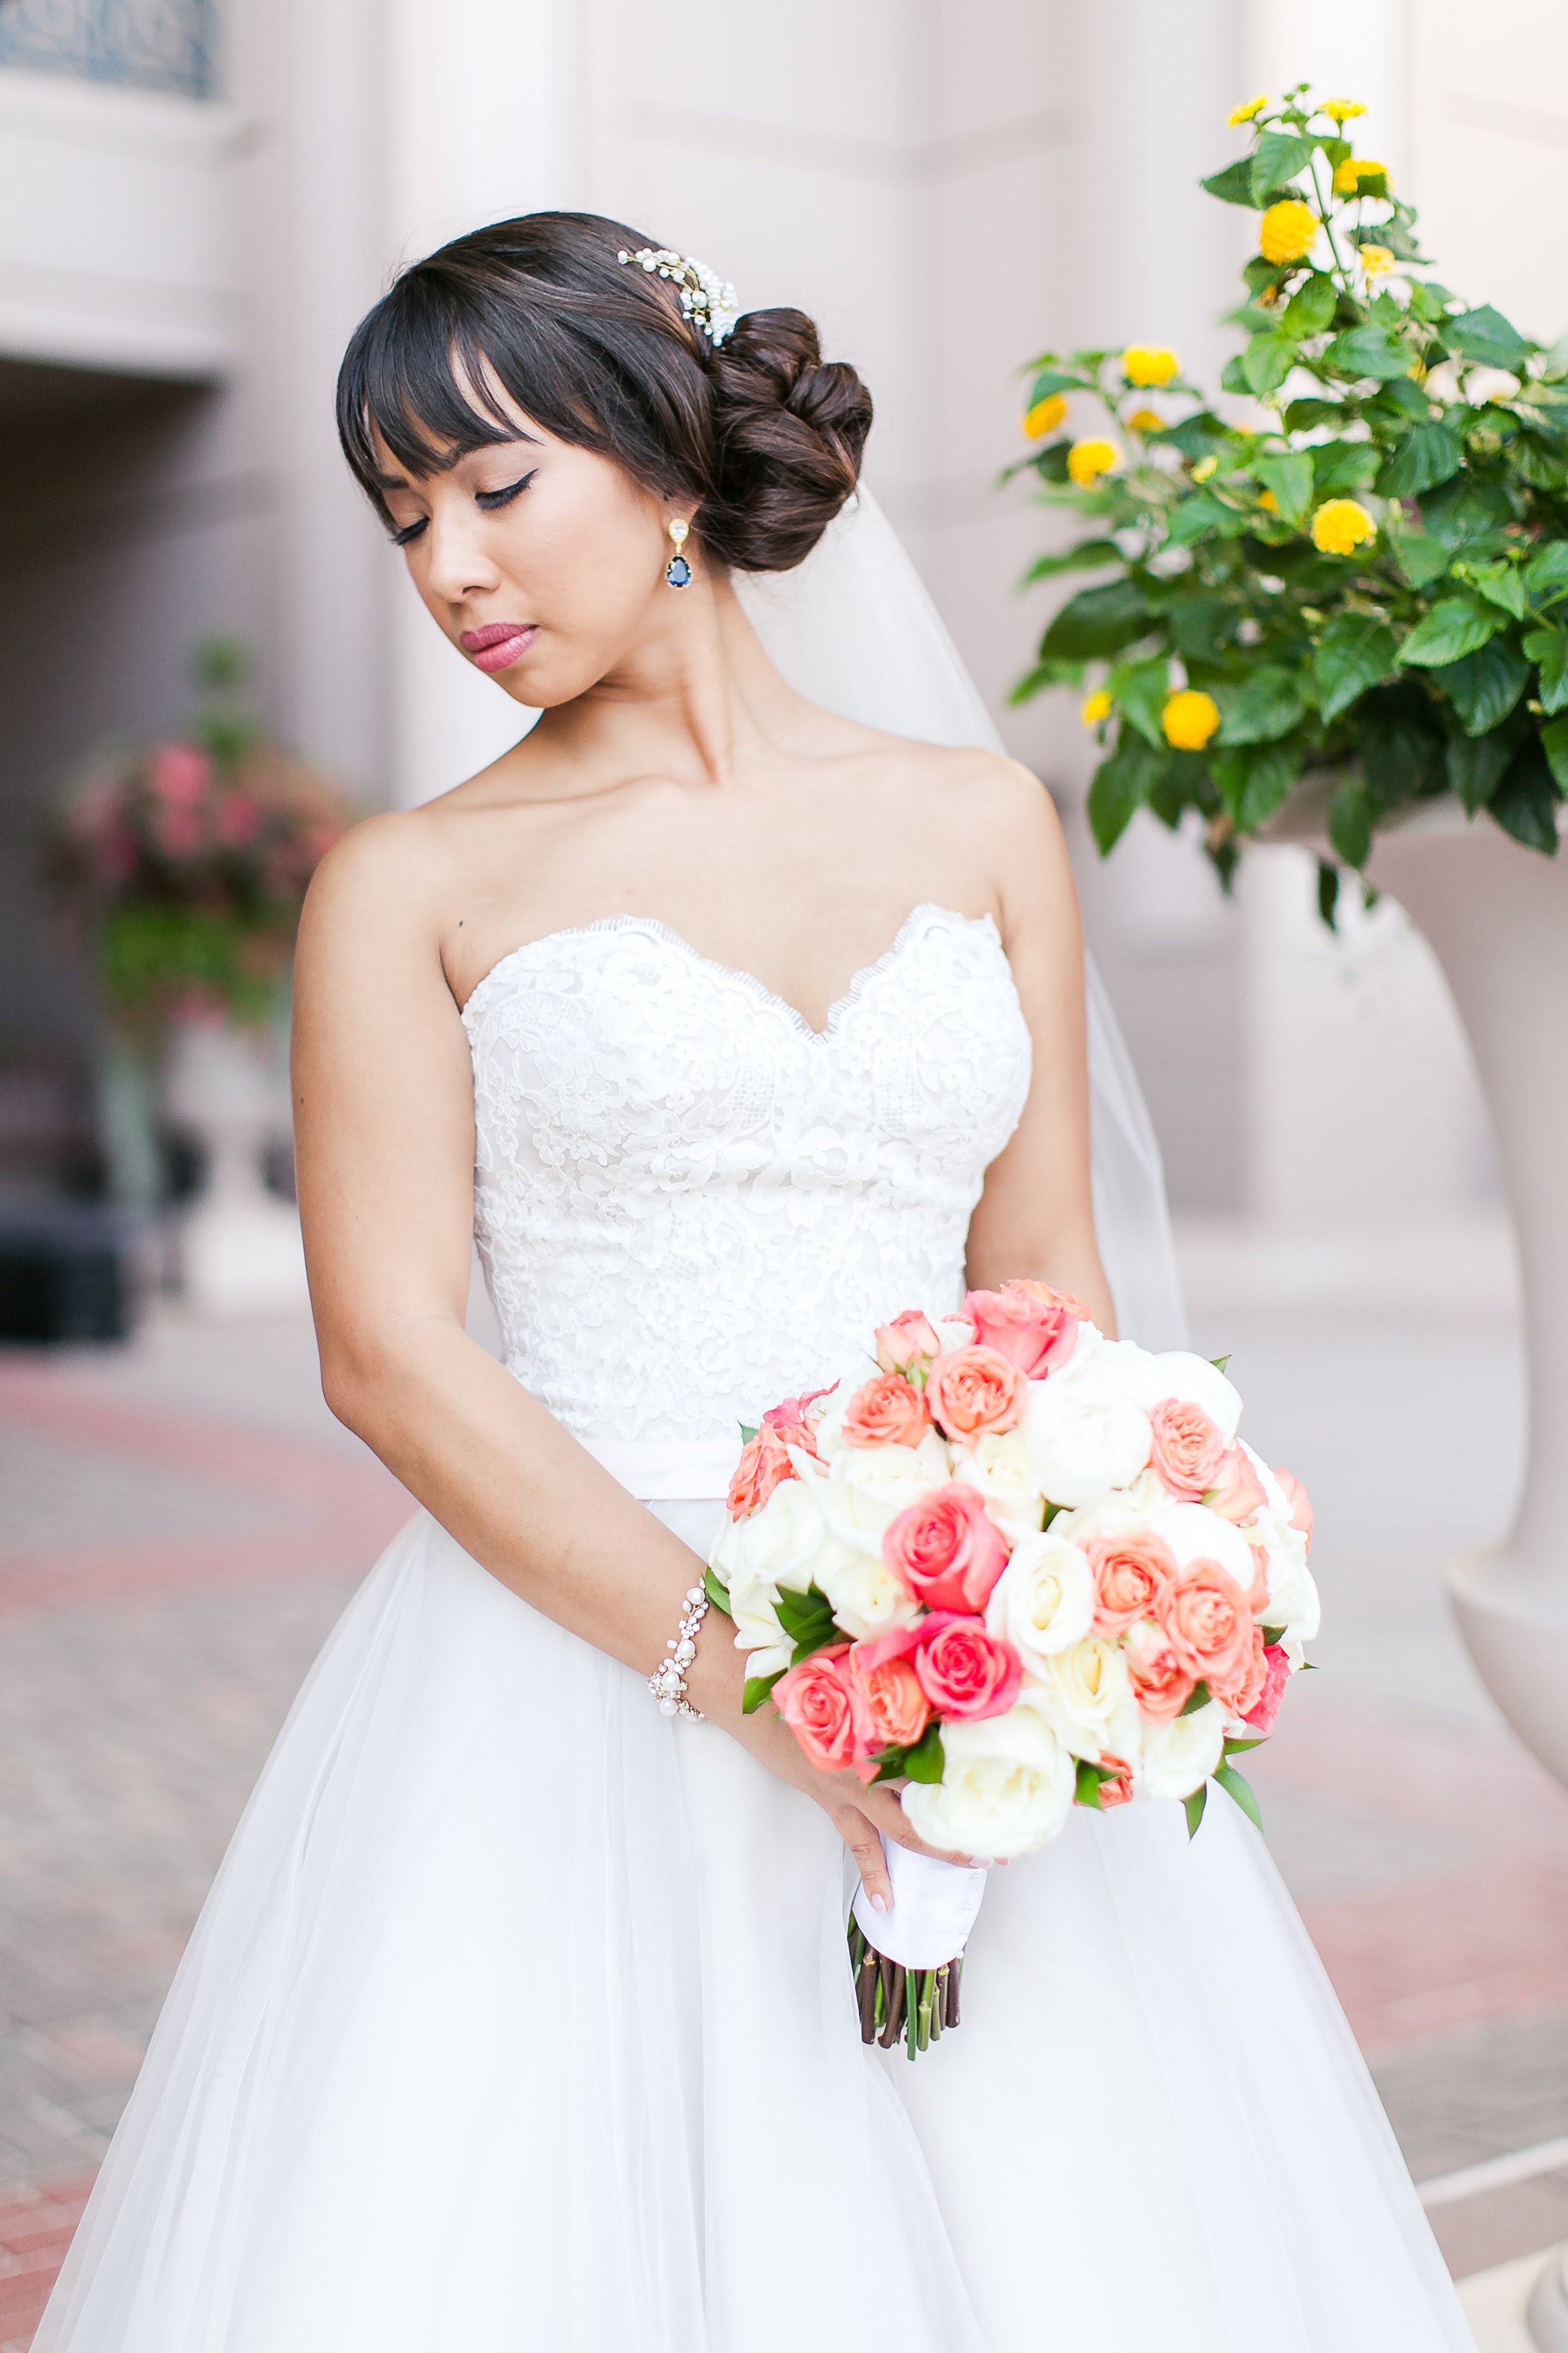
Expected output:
{"points": [[854, 628]]}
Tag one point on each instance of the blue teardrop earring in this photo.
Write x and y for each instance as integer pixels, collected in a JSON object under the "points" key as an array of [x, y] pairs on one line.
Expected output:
{"points": [[678, 572]]}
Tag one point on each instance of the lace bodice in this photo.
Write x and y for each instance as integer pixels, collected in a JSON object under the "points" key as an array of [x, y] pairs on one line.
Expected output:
{"points": [[689, 1203]]}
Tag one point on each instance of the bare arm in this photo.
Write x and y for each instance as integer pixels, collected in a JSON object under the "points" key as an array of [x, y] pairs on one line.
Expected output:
{"points": [[1036, 1216], [384, 1137]]}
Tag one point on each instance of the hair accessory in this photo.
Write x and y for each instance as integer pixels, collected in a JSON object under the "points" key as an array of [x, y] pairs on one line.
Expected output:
{"points": [[669, 1683], [709, 302], [678, 572]]}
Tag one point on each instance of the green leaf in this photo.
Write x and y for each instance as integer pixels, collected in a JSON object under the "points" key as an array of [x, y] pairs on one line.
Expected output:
{"points": [[1221, 1364], [1328, 893], [1403, 396], [1487, 336], [1467, 508], [1370, 350], [890, 1764], [1087, 1792], [1554, 744], [1254, 780], [757, 1688], [1233, 185], [1194, 1808], [1350, 824], [1343, 467], [1525, 803], [1303, 414], [1200, 514], [1276, 160], [1265, 706], [1267, 361], [1455, 626], [748, 1431], [925, 1761], [1119, 787], [1202, 627], [1503, 585], [1537, 463], [807, 1619], [1052, 379], [1085, 557], [1291, 480], [1421, 558], [1356, 652], [1098, 621], [1484, 687], [1546, 573], [1430, 454], [1239, 1747], [1549, 646], [716, 1591], [1140, 690], [1399, 741], [1198, 1697], [1272, 1634], [1312, 308], [1233, 1786], [1475, 765]]}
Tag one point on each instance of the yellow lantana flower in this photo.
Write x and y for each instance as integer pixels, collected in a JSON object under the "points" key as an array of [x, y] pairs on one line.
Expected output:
{"points": [[1146, 420], [1189, 719], [1149, 364], [1087, 461], [1287, 231], [1341, 526], [1266, 499], [1376, 259], [1349, 176], [1045, 415], [1204, 468], [1340, 110], [1248, 114], [1096, 707]]}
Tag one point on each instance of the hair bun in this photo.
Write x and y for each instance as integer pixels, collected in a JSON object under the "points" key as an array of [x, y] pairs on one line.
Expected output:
{"points": [[789, 431]]}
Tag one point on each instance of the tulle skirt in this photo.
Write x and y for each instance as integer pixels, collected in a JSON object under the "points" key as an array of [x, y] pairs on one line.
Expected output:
{"points": [[519, 2017]]}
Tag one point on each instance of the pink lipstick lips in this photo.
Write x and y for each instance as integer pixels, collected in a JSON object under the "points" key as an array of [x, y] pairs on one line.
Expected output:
{"points": [[500, 644]]}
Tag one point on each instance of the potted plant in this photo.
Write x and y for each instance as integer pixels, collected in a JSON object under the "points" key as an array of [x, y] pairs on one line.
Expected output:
{"points": [[1340, 611]]}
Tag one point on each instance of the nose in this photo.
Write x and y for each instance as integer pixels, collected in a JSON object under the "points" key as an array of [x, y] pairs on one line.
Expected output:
{"points": [[457, 566]]}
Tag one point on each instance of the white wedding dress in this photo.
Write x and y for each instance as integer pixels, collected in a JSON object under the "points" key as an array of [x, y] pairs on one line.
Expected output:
{"points": [[520, 2020]]}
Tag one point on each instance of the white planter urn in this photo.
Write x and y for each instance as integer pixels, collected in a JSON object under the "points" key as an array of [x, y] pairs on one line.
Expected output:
{"points": [[1497, 917], [239, 1245]]}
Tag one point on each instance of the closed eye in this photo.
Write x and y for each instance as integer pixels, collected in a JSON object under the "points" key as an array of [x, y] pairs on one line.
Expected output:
{"points": [[490, 500], [409, 532]]}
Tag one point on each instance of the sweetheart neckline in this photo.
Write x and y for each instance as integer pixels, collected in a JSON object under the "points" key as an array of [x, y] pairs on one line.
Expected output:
{"points": [[758, 989]]}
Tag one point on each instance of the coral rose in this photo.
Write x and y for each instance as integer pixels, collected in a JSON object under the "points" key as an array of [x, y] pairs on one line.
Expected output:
{"points": [[764, 1465], [1238, 1491], [946, 1549], [1295, 1496], [896, 1710], [1161, 1683], [793, 1421], [1131, 1574], [823, 1707], [1035, 1332], [1242, 1689], [1117, 1789], [1188, 1448], [909, 1340], [973, 1389], [1207, 1622], [1277, 1674], [886, 1412], [965, 1672]]}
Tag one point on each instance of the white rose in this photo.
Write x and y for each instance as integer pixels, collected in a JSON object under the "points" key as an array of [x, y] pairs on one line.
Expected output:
{"points": [[1085, 1697], [997, 1462], [868, 1486], [1195, 1381], [1293, 1601], [1179, 1756], [1121, 1512], [1007, 1788], [1083, 1435], [784, 1543], [1195, 1532], [954, 1331], [866, 1598], [753, 1602], [1044, 1600]]}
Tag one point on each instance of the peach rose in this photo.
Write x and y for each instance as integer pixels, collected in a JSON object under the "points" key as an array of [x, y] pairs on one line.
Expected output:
{"points": [[1034, 1333], [1119, 1789], [1130, 1576], [1161, 1683], [823, 1707], [1295, 1495], [896, 1709], [791, 1420], [963, 1671], [1188, 1448], [886, 1412], [1277, 1674], [1238, 1491], [1207, 1622], [974, 1389], [764, 1465], [1050, 1298], [946, 1549], [1244, 1687], [909, 1340]]}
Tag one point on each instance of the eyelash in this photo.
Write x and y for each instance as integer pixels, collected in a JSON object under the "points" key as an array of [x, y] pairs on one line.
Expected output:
{"points": [[488, 502]]}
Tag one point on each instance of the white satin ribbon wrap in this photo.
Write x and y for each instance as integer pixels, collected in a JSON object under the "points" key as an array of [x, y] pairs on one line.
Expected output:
{"points": [[933, 1909]]}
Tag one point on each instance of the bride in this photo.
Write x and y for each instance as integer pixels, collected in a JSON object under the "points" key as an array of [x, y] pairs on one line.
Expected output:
{"points": [[520, 2014]]}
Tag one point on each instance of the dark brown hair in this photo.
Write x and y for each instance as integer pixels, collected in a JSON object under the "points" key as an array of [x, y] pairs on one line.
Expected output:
{"points": [[758, 431]]}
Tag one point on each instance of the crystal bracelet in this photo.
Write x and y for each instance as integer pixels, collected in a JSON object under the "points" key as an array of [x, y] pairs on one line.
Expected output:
{"points": [[669, 1683]]}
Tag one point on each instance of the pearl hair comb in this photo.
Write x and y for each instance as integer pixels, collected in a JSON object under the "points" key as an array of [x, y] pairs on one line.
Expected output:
{"points": [[709, 302]]}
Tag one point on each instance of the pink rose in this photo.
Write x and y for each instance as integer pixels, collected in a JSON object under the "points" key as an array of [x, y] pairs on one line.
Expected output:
{"points": [[791, 1420], [909, 1340], [946, 1550], [1119, 1790], [180, 774], [1300, 1509], [1238, 1491], [764, 1465], [1033, 1333], [1207, 1622], [239, 818], [1277, 1674], [886, 1412], [975, 1389], [1188, 1448], [1130, 1575], [1243, 1688], [963, 1671], [896, 1709], [1050, 1298], [1161, 1683], [823, 1707]]}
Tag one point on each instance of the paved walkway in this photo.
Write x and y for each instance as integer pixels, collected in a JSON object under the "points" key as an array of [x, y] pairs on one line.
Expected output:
{"points": [[181, 1522]]}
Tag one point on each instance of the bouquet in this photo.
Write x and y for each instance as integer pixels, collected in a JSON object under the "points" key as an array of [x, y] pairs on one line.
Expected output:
{"points": [[1019, 1568]]}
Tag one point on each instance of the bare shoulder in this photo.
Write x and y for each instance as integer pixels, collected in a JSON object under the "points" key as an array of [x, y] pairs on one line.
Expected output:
{"points": [[383, 885]]}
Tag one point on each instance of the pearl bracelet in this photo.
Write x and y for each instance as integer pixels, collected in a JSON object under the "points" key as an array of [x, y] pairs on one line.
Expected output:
{"points": [[668, 1684]]}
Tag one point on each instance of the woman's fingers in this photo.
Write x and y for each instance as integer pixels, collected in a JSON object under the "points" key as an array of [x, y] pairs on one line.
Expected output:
{"points": [[890, 1816], [860, 1837]]}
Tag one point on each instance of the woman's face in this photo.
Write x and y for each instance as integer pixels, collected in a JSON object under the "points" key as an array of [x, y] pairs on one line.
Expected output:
{"points": [[543, 563]]}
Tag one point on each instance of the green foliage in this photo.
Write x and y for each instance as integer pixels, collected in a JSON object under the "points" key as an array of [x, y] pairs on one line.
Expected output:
{"points": [[1429, 655]]}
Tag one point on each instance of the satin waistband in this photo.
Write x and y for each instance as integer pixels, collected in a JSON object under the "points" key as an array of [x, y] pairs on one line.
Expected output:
{"points": [[668, 1471]]}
